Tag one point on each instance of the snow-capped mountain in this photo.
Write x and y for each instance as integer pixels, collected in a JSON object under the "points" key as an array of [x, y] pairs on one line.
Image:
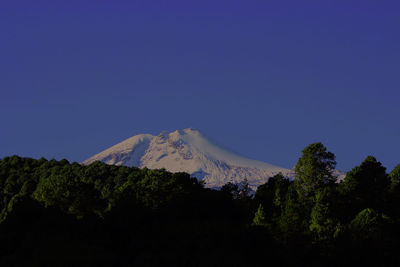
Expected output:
{"points": [[188, 151]]}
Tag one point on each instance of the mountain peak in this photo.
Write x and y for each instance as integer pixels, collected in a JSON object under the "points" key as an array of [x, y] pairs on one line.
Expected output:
{"points": [[188, 151]]}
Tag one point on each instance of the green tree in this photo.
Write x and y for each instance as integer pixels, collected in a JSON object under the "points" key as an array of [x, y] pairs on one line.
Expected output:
{"points": [[365, 186], [231, 189], [259, 217], [314, 170], [394, 177], [292, 222], [368, 225], [244, 190], [394, 193], [272, 194], [322, 224], [67, 192]]}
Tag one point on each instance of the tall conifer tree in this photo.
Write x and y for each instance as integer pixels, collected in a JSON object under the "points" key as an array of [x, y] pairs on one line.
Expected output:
{"points": [[314, 170]]}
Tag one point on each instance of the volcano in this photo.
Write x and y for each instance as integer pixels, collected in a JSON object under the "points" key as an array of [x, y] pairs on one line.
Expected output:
{"points": [[189, 151]]}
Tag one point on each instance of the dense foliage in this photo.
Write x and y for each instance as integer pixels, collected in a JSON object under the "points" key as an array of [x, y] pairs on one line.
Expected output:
{"points": [[54, 213]]}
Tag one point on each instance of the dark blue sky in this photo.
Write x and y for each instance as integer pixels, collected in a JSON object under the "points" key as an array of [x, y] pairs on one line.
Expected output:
{"points": [[263, 78]]}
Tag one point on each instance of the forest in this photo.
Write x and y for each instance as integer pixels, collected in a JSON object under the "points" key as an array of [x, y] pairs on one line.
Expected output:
{"points": [[57, 213]]}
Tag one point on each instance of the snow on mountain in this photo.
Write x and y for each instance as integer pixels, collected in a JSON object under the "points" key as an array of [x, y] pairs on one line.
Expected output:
{"points": [[128, 152], [189, 151]]}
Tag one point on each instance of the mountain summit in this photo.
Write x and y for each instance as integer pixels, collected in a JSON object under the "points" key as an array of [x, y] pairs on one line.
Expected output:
{"points": [[188, 151]]}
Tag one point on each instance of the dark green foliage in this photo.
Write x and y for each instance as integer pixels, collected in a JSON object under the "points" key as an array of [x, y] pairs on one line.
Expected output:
{"points": [[394, 192], [394, 176], [259, 217], [57, 213], [240, 191], [292, 225], [62, 214], [367, 224], [69, 193], [244, 190], [365, 186], [272, 195], [314, 170], [322, 223], [231, 190]]}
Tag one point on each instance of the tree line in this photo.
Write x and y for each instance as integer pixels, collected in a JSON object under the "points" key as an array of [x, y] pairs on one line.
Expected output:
{"points": [[57, 213]]}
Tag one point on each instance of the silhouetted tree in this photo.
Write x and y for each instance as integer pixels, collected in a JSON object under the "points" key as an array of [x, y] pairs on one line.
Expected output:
{"points": [[244, 190], [365, 186], [394, 192], [322, 223], [231, 189], [394, 177], [292, 222], [272, 195], [314, 170], [259, 217]]}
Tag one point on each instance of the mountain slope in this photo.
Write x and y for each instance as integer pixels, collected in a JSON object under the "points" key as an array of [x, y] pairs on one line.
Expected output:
{"points": [[188, 151]]}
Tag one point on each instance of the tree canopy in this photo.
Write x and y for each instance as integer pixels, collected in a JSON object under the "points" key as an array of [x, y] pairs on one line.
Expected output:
{"points": [[57, 213], [314, 170]]}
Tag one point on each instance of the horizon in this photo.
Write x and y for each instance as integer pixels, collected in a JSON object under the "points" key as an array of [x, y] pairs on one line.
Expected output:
{"points": [[227, 149], [263, 80]]}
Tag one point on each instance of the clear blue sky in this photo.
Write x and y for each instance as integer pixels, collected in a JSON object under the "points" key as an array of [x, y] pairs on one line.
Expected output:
{"points": [[263, 78]]}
